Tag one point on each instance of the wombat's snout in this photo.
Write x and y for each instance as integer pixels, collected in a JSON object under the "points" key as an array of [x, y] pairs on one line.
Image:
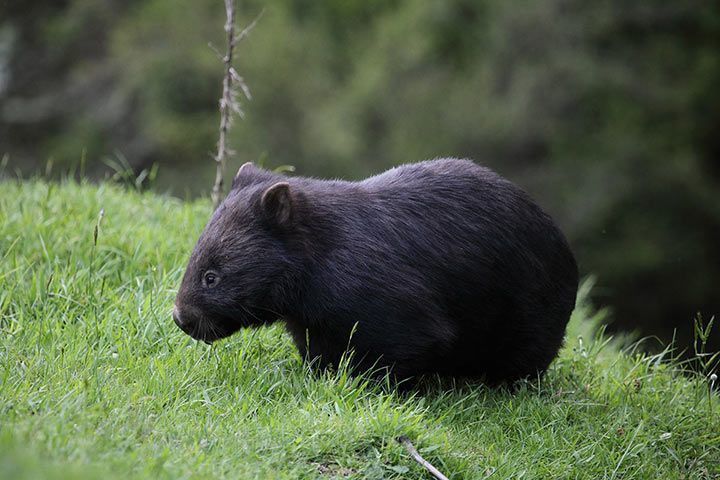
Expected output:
{"points": [[183, 322]]}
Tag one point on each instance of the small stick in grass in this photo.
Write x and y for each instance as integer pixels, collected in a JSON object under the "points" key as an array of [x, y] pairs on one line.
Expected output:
{"points": [[405, 441]]}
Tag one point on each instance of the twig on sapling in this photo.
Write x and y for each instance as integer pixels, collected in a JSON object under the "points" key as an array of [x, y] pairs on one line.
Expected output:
{"points": [[228, 102]]}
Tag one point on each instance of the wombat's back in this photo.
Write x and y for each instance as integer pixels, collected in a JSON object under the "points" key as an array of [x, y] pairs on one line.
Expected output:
{"points": [[442, 266]]}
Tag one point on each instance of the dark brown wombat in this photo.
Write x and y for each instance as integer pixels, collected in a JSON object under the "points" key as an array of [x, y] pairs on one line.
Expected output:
{"points": [[436, 267]]}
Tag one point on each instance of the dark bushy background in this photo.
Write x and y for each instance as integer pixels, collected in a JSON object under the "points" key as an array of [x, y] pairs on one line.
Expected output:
{"points": [[606, 111]]}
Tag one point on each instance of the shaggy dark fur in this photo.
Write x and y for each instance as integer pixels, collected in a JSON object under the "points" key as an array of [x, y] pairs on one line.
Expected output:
{"points": [[440, 266]]}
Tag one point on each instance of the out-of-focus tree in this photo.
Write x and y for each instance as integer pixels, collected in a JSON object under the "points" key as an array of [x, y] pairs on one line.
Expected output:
{"points": [[606, 111]]}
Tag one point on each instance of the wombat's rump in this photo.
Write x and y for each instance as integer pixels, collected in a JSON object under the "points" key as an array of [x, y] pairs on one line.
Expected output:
{"points": [[440, 266]]}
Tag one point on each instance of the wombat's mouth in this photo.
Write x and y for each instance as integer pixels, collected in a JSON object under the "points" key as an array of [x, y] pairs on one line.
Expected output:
{"points": [[200, 328], [210, 332]]}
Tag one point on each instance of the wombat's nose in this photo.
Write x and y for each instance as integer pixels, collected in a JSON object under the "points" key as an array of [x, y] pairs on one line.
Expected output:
{"points": [[178, 319]]}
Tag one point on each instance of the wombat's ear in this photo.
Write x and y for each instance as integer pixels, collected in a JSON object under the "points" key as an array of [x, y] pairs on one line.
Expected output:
{"points": [[277, 203], [245, 175]]}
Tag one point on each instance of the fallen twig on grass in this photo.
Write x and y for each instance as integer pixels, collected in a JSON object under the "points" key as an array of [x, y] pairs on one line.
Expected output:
{"points": [[405, 441]]}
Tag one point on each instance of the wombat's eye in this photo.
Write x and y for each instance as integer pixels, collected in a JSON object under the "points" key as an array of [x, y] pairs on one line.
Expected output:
{"points": [[210, 279]]}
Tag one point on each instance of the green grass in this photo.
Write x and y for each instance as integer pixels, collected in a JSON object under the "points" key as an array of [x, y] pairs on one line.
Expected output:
{"points": [[97, 382]]}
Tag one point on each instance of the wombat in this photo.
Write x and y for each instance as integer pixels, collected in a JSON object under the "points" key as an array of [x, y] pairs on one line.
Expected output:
{"points": [[441, 266]]}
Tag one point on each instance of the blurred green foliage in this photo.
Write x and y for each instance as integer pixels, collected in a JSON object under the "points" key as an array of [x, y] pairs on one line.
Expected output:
{"points": [[606, 111]]}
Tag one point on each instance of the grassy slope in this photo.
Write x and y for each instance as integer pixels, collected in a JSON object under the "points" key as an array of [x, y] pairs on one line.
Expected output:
{"points": [[96, 382]]}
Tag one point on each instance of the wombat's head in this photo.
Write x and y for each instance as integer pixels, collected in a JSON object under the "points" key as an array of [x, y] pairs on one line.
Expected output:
{"points": [[243, 261]]}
